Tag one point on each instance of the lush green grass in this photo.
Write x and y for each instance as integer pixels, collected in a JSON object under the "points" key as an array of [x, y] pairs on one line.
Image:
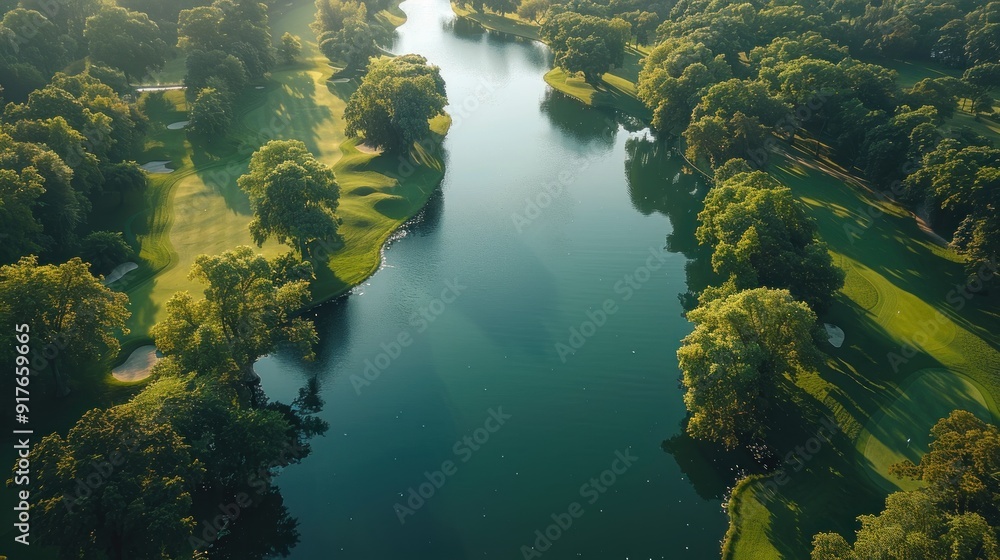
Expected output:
{"points": [[617, 89], [198, 209], [901, 431], [898, 286], [509, 23]]}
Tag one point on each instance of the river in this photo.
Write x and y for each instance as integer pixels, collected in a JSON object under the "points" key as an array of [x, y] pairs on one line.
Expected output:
{"points": [[531, 309]]}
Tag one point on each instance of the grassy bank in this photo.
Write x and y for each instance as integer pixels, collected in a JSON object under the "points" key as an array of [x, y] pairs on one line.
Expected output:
{"points": [[617, 89], [900, 293], [198, 208]]}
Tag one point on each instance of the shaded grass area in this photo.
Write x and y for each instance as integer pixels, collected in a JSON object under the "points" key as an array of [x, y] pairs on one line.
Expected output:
{"points": [[900, 294]]}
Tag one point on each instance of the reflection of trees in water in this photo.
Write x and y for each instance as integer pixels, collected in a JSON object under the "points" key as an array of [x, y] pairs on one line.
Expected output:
{"points": [[464, 29], [659, 181], [711, 469], [429, 218], [262, 526], [593, 127]]}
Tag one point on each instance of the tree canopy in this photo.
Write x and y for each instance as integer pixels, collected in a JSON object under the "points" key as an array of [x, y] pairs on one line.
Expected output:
{"points": [[393, 105]]}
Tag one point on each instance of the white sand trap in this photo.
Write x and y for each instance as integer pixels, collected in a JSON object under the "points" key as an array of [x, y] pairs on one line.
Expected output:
{"points": [[835, 334], [366, 149], [340, 81], [178, 125], [157, 167], [138, 365], [259, 87], [119, 271]]}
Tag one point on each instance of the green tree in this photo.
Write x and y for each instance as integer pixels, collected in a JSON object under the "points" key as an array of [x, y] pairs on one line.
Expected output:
{"points": [[126, 40], [673, 77], [104, 250], [761, 236], [395, 101], [290, 48], [294, 196], [68, 310], [961, 466], [119, 483], [19, 229], [533, 10], [588, 55], [204, 66], [740, 353], [212, 112], [249, 308]]}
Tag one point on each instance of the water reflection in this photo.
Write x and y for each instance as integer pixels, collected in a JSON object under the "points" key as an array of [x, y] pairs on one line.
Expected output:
{"points": [[599, 127]]}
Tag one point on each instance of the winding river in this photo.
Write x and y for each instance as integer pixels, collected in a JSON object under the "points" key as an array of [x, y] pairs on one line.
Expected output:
{"points": [[513, 363]]}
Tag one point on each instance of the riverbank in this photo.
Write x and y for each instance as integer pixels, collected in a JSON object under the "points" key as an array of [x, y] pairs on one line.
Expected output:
{"points": [[198, 209], [618, 90]]}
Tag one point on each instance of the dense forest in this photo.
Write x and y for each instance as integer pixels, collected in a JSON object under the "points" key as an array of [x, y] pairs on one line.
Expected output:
{"points": [[729, 83]]}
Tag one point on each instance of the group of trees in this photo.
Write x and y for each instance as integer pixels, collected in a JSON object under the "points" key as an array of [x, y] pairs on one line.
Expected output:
{"points": [[955, 516], [228, 44], [730, 78], [201, 433], [70, 143], [590, 45], [753, 333], [347, 34]]}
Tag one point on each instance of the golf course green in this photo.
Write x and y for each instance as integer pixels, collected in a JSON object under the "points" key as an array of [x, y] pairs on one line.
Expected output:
{"points": [[198, 208]]}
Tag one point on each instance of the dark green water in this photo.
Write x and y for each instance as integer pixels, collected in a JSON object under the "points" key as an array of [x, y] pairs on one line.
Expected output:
{"points": [[595, 244]]}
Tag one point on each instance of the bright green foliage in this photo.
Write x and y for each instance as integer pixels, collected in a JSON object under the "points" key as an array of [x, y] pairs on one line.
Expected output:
{"points": [[673, 77], [761, 236], [126, 40], [737, 358], [294, 196], [66, 307], [396, 99], [615, 33], [19, 192], [960, 467], [953, 518], [120, 484], [248, 310]]}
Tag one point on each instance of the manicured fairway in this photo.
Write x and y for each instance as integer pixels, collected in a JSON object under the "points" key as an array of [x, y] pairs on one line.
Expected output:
{"points": [[900, 312], [198, 209], [901, 431]]}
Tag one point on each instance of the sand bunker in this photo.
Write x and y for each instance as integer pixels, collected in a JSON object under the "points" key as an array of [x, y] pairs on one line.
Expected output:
{"points": [[366, 149], [119, 271], [835, 334], [138, 365], [157, 167], [178, 125], [340, 81]]}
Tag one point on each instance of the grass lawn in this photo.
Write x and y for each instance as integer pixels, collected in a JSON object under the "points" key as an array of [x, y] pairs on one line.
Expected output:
{"points": [[198, 209], [901, 431], [899, 292]]}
